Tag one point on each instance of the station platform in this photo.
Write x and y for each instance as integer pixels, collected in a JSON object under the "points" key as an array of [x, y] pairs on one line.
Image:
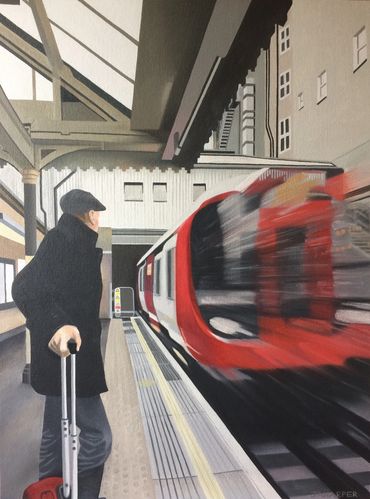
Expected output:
{"points": [[167, 441]]}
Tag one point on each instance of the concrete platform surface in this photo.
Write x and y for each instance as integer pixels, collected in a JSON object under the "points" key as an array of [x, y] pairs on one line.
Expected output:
{"points": [[127, 472]]}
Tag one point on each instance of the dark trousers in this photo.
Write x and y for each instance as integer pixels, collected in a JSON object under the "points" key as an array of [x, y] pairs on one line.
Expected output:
{"points": [[95, 436]]}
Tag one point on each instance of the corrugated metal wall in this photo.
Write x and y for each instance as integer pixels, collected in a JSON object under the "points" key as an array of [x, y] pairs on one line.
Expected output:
{"points": [[108, 187]]}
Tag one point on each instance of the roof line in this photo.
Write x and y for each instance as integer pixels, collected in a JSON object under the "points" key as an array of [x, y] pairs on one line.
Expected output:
{"points": [[45, 71], [108, 21], [86, 47], [92, 52]]}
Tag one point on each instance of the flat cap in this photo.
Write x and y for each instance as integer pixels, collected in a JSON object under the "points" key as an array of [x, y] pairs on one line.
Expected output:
{"points": [[78, 202]]}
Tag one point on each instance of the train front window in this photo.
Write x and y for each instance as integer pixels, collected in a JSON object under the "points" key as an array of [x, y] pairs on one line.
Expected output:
{"points": [[224, 265]]}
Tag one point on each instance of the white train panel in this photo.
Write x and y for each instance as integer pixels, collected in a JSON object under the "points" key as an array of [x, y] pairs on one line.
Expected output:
{"points": [[165, 300]]}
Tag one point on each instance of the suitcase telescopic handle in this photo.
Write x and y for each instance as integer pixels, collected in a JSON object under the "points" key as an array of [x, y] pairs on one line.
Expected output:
{"points": [[69, 432], [72, 347]]}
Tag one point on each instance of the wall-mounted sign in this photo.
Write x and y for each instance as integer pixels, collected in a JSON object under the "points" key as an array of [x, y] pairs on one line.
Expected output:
{"points": [[117, 302]]}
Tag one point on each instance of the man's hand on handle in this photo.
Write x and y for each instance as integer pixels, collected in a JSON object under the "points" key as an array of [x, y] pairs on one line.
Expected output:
{"points": [[58, 343]]}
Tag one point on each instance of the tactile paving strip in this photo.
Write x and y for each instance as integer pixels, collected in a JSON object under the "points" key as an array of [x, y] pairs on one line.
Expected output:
{"points": [[171, 466]]}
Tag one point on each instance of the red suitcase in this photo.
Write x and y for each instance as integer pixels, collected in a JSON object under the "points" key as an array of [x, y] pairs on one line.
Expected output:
{"points": [[48, 488], [66, 487]]}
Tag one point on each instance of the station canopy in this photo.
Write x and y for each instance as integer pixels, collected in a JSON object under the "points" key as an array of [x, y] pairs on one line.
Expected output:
{"points": [[169, 66], [97, 39]]}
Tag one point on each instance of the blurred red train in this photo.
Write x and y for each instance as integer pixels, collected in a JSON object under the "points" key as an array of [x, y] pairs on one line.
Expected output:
{"points": [[262, 274]]}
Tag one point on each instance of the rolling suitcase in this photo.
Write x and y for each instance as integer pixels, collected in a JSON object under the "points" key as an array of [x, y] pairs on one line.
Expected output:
{"points": [[66, 487]]}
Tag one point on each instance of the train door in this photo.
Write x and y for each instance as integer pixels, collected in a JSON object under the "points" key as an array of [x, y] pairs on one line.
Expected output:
{"points": [[148, 287]]}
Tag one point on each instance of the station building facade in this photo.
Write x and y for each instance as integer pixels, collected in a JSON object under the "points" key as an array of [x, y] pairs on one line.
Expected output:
{"points": [[308, 97]]}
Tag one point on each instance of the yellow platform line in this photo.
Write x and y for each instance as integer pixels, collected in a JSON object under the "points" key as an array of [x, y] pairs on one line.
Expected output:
{"points": [[199, 461]]}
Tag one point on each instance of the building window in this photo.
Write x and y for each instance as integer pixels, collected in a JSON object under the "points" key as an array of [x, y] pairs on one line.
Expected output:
{"points": [[43, 88], [17, 79], [300, 101], [322, 86], [171, 274], [285, 135], [133, 191], [2, 284], [7, 273], [359, 49], [284, 41], [159, 192], [20, 81], [284, 84], [198, 189]]}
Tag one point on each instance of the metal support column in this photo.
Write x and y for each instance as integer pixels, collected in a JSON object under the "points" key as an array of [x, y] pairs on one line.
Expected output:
{"points": [[29, 180]]}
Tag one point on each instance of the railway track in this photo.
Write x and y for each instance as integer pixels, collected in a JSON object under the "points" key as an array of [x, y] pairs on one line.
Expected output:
{"points": [[307, 431], [326, 445]]}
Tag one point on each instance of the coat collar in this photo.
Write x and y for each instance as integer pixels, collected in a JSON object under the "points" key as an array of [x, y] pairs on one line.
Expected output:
{"points": [[74, 229]]}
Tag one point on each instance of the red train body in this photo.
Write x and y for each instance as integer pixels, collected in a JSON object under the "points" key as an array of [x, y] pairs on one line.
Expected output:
{"points": [[256, 276]]}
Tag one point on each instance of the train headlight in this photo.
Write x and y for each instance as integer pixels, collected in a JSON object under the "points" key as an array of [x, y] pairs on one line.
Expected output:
{"points": [[230, 328]]}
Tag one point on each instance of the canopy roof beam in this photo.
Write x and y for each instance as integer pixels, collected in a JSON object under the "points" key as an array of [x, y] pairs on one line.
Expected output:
{"points": [[15, 144], [217, 40], [35, 58], [47, 36]]}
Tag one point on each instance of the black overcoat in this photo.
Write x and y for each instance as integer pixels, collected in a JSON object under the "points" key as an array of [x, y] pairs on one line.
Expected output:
{"points": [[62, 285]]}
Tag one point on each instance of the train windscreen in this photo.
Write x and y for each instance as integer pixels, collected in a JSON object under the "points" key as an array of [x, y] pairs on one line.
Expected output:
{"points": [[224, 265]]}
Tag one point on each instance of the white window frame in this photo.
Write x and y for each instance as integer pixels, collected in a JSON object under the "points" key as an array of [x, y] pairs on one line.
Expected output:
{"points": [[359, 47], [155, 199], [2, 284], [284, 39], [7, 269], [132, 199], [285, 134], [322, 86], [31, 85], [198, 184], [43, 88], [284, 84], [300, 101]]}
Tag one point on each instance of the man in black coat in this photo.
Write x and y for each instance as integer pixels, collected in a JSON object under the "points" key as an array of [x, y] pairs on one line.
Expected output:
{"points": [[59, 293]]}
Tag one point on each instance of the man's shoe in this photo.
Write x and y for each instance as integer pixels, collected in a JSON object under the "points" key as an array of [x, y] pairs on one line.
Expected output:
{"points": [[89, 483]]}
